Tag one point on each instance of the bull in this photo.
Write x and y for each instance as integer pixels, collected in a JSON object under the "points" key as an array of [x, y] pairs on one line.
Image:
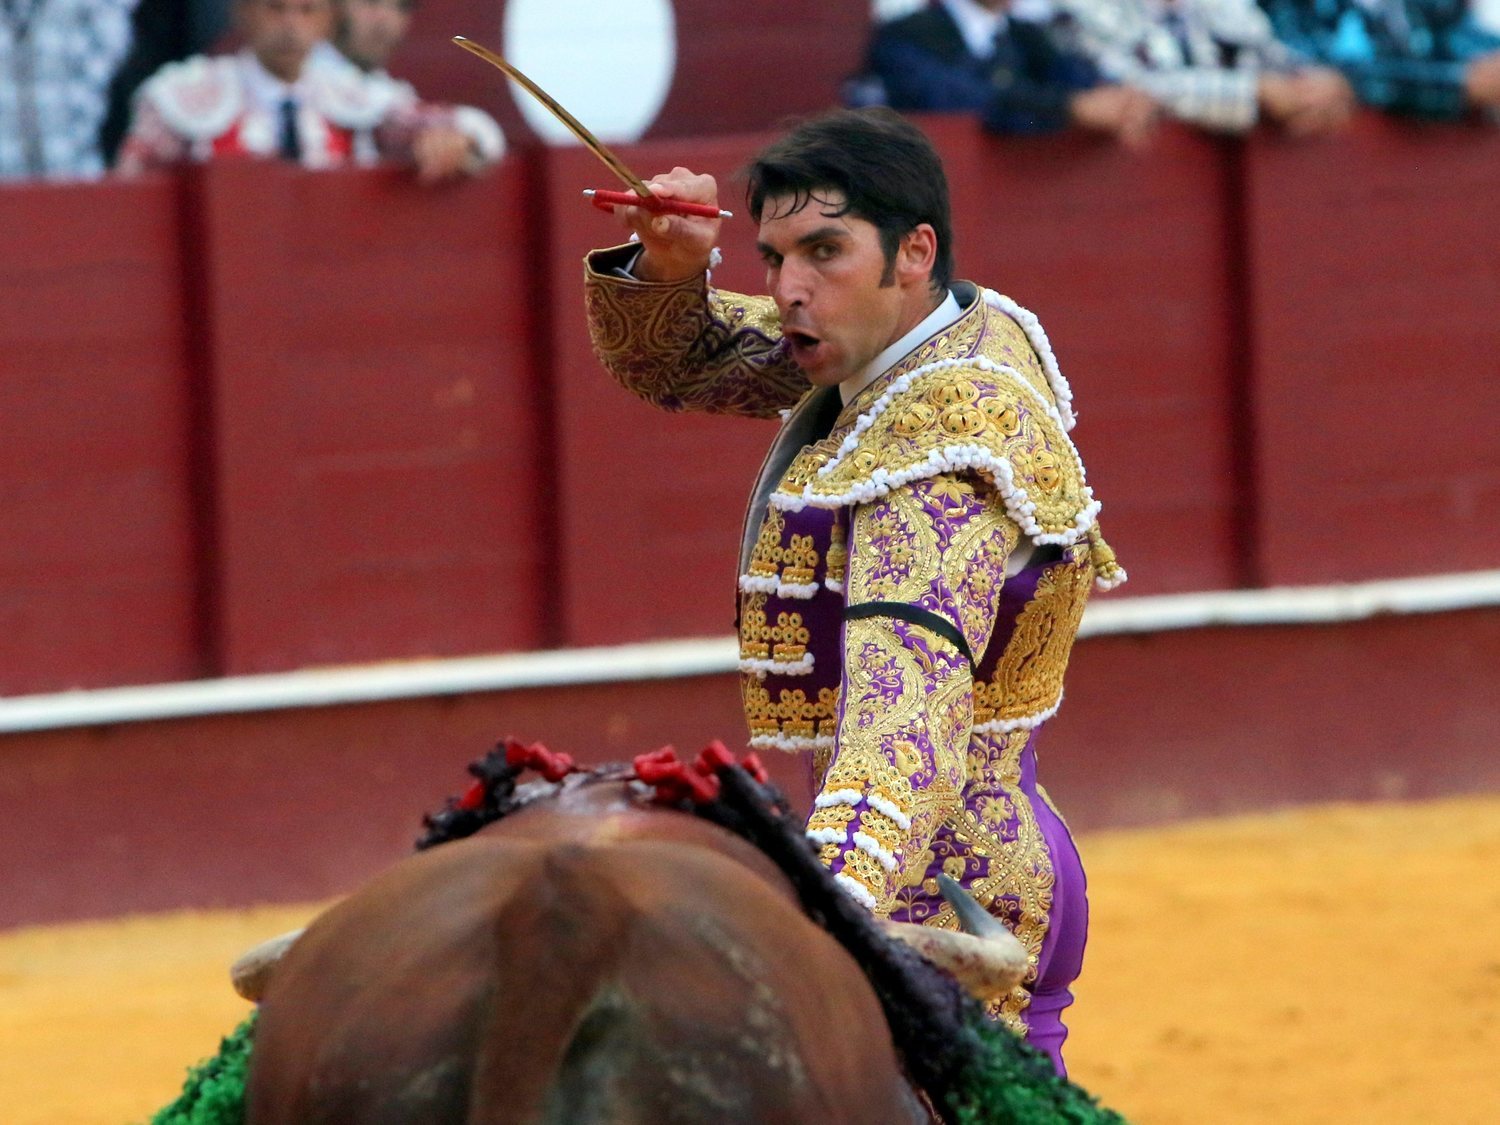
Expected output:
{"points": [[579, 951]]}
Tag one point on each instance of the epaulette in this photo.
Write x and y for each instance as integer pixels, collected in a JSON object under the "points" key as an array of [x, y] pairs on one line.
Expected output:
{"points": [[198, 98], [956, 415], [350, 99]]}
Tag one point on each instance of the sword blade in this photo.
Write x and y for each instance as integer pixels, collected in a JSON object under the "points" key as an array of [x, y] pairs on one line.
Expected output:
{"points": [[573, 125]]}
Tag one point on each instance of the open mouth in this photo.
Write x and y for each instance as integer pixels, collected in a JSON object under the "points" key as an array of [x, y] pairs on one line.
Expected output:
{"points": [[805, 346]]}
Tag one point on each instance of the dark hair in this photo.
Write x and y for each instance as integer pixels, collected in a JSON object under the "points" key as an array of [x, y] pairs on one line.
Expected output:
{"points": [[887, 170]]}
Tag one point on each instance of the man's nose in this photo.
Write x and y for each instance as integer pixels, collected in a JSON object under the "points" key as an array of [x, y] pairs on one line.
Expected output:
{"points": [[792, 288]]}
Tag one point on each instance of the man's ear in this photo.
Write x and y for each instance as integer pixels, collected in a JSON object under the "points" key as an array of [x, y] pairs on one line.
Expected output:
{"points": [[917, 255]]}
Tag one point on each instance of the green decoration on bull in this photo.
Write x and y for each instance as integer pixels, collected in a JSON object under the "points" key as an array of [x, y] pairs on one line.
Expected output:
{"points": [[214, 1093]]}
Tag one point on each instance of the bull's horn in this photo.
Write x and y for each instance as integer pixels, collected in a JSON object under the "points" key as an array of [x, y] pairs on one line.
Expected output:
{"points": [[972, 918], [252, 972], [985, 959]]}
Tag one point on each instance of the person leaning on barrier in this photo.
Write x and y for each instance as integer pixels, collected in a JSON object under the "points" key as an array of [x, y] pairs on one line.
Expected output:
{"points": [[1427, 58], [1212, 63], [979, 56], [367, 33], [268, 102]]}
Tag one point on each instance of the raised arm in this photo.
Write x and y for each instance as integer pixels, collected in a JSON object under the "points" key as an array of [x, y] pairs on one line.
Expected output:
{"points": [[666, 335]]}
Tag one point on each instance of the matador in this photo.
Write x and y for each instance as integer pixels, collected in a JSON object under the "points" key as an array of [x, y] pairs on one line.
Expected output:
{"points": [[920, 542]]}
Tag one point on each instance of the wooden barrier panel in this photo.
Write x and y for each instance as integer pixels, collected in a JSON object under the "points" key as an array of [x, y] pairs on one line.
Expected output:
{"points": [[1128, 261], [375, 412], [98, 542], [1377, 352], [650, 502], [299, 805]]}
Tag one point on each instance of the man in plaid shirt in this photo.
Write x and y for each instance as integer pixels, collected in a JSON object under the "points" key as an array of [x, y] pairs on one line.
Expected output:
{"points": [[1430, 58], [56, 60], [1213, 63]]}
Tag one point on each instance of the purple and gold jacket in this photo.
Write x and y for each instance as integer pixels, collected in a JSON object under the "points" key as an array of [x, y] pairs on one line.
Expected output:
{"points": [[879, 629]]}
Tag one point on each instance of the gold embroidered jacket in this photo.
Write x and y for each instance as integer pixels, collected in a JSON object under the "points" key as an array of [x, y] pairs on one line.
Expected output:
{"points": [[879, 628]]}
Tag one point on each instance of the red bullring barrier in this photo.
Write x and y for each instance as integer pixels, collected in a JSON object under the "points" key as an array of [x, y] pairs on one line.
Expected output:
{"points": [[260, 418]]}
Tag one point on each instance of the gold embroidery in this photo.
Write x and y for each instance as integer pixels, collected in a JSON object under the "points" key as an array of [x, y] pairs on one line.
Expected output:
{"points": [[950, 393], [974, 566], [914, 419], [804, 467], [1028, 681], [785, 642], [767, 543], [893, 708], [799, 559], [992, 415], [895, 550], [1017, 870], [836, 817], [791, 714], [838, 555], [678, 346]]}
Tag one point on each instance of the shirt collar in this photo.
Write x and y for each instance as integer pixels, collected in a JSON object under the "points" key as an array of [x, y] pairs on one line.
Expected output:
{"points": [[938, 319], [977, 24]]}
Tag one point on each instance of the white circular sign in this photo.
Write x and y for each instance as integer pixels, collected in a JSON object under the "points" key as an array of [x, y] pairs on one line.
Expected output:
{"points": [[610, 64]]}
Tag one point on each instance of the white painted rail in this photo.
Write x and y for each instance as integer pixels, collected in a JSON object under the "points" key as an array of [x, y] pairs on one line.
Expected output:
{"points": [[329, 687]]}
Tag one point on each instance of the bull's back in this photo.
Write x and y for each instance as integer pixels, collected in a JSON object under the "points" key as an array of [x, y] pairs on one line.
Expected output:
{"points": [[511, 980]]}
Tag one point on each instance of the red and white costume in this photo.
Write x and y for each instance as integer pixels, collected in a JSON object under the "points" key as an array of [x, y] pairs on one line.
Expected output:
{"points": [[412, 114], [230, 106]]}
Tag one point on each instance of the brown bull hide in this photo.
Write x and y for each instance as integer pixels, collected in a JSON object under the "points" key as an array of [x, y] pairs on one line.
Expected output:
{"points": [[584, 960]]}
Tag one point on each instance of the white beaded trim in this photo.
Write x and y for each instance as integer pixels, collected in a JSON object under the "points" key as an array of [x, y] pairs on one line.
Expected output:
{"points": [[889, 808], [802, 666], [834, 584], [856, 890], [826, 835], [770, 584], [791, 744], [952, 458], [873, 848], [837, 797], [800, 591], [1108, 584], [1025, 722], [1037, 336]]}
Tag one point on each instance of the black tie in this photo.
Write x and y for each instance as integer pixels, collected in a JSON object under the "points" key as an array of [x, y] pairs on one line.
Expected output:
{"points": [[291, 140]]}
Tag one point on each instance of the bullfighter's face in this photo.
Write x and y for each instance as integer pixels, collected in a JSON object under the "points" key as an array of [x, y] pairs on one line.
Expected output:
{"points": [[841, 302]]}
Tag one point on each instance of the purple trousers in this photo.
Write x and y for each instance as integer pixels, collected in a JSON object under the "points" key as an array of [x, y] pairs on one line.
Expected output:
{"points": [[1061, 958]]}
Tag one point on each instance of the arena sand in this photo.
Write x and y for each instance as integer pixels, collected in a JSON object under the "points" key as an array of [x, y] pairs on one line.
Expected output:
{"points": [[1337, 964]]}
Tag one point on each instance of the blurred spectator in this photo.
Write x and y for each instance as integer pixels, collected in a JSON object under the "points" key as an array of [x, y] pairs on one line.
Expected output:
{"points": [[56, 60], [1213, 63], [162, 31], [1431, 58], [978, 56], [267, 102], [366, 35]]}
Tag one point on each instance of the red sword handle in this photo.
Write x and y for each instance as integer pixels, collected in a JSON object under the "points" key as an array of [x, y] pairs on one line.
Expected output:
{"points": [[609, 200]]}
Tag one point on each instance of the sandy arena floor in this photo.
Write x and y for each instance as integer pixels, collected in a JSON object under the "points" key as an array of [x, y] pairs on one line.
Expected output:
{"points": [[1339, 964]]}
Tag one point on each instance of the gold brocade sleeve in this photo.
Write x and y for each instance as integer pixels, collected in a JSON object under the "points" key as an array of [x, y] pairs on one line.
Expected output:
{"points": [[682, 345], [899, 763]]}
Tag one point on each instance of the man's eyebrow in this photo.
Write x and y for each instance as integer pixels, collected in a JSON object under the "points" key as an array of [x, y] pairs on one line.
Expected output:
{"points": [[821, 234]]}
